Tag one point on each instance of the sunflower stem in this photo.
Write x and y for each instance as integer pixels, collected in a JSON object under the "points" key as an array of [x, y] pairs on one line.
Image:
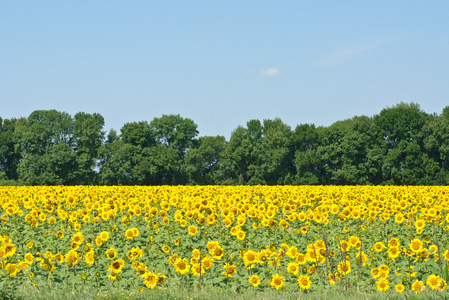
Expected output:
{"points": [[438, 247]]}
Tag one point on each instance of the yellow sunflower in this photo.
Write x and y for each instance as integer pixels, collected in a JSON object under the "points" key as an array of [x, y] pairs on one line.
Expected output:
{"points": [[304, 282], [277, 281], [254, 280]]}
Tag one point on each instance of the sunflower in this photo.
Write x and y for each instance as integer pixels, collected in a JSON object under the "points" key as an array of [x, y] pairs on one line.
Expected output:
{"points": [[393, 253], [29, 258], [181, 266], [293, 252], [384, 269], [194, 261], [196, 269], [78, 238], [379, 246], [433, 281], [420, 224], [254, 280], [293, 268], [48, 256], [117, 266], [416, 246], [382, 285], [104, 236], [72, 257], [207, 262], [111, 253], [42, 217], [394, 243], [98, 241], [399, 218], [344, 245], [399, 287], [112, 276], [129, 234], [227, 222], [133, 253], [418, 286], [304, 282], [250, 257], [192, 230], [74, 246], [161, 278], [177, 242], [353, 241], [218, 253], [9, 250], [90, 257], [277, 281], [165, 249], [196, 253], [344, 267], [150, 279], [241, 235], [433, 249], [77, 227], [229, 270], [301, 259]]}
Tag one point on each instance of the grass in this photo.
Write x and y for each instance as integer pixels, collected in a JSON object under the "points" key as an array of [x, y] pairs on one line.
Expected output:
{"points": [[29, 292]]}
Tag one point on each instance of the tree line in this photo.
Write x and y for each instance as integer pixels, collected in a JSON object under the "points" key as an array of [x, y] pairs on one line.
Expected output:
{"points": [[400, 145]]}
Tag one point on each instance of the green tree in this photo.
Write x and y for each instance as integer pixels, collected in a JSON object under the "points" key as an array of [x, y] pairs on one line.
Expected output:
{"points": [[360, 153], [400, 128], [45, 143], [178, 134], [436, 145], [259, 154], [305, 141], [9, 155], [277, 152], [88, 136], [202, 163], [138, 134], [136, 158]]}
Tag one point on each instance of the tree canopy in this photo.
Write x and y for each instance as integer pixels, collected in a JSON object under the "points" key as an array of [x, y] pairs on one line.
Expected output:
{"points": [[401, 144]]}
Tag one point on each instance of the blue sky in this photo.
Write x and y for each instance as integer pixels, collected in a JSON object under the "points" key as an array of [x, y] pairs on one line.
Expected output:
{"points": [[222, 63]]}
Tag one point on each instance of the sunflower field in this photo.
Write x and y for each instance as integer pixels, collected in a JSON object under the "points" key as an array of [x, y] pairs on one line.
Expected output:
{"points": [[294, 238]]}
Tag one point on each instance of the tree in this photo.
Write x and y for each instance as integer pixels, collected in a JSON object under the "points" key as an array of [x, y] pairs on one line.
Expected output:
{"points": [[436, 146], [259, 154], [88, 136], [9, 155], [178, 134], [136, 158], [45, 143], [400, 128], [305, 141], [202, 163]]}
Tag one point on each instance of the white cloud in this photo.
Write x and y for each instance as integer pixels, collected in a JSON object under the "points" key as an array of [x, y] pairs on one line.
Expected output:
{"points": [[348, 55], [271, 72]]}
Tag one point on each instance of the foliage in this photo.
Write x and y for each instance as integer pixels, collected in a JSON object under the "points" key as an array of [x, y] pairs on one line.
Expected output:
{"points": [[401, 145]]}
